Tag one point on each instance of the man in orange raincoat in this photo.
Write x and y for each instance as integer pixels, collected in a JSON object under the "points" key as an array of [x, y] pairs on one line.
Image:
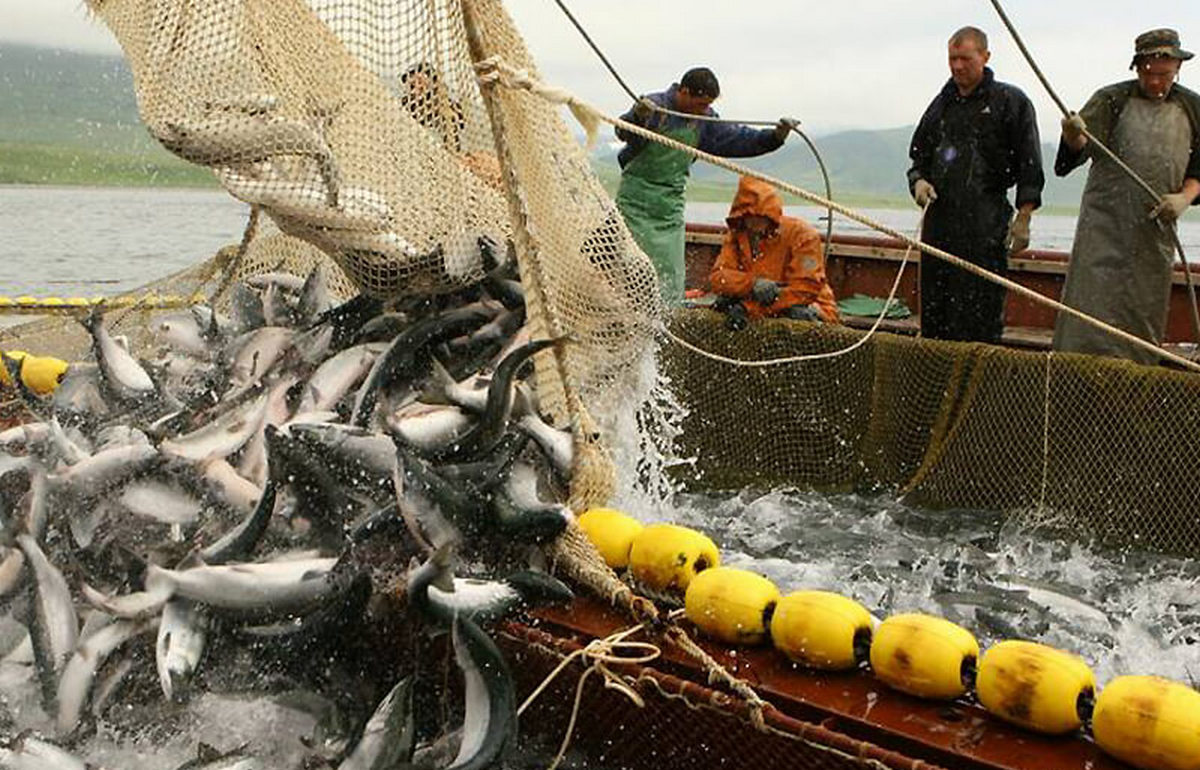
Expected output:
{"points": [[770, 265]]}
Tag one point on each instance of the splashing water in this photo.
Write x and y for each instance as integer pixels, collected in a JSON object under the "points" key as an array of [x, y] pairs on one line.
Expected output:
{"points": [[1124, 612]]}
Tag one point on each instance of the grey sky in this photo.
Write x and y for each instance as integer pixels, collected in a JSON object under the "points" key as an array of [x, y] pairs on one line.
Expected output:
{"points": [[846, 64]]}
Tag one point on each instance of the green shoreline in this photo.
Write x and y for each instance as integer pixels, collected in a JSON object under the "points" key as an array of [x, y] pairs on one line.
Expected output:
{"points": [[24, 163]]}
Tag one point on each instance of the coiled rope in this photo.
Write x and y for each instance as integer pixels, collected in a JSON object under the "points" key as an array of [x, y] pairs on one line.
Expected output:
{"points": [[1187, 270], [496, 70]]}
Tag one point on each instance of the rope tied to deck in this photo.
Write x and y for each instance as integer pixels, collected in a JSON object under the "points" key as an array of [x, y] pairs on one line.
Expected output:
{"points": [[599, 653], [959, 262]]}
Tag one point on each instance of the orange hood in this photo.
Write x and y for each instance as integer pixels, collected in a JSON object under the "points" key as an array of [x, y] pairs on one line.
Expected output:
{"points": [[755, 197]]}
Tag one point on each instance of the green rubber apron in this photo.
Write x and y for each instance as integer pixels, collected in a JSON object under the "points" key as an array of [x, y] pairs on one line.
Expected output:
{"points": [[651, 198]]}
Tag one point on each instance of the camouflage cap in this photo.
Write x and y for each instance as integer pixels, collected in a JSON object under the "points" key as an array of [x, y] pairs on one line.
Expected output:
{"points": [[1160, 42]]}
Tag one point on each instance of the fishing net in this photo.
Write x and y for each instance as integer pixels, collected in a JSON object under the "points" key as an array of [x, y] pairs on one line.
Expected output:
{"points": [[1098, 447], [359, 128]]}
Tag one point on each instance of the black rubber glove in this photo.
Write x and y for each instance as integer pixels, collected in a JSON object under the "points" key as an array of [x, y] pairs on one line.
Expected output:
{"points": [[764, 292], [802, 313], [736, 318]]}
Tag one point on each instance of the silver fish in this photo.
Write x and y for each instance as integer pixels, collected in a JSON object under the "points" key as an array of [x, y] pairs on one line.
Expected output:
{"points": [[104, 469], [55, 628], [490, 718], [125, 377], [334, 378], [222, 436], [274, 587], [76, 682], [389, 735], [161, 502], [182, 636]]}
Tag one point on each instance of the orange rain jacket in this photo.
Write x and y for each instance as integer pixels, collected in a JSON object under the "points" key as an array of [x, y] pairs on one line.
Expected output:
{"points": [[791, 253]]}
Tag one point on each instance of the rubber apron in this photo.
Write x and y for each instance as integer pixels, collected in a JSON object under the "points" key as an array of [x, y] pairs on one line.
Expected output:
{"points": [[1122, 261], [651, 198]]}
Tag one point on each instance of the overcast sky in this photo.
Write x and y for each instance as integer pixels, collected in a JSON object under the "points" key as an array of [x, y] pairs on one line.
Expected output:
{"points": [[834, 65]]}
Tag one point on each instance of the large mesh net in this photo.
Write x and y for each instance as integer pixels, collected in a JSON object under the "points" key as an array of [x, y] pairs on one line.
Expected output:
{"points": [[360, 128], [1097, 447]]}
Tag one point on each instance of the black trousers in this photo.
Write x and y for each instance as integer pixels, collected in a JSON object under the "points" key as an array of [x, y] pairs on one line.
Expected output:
{"points": [[955, 304]]}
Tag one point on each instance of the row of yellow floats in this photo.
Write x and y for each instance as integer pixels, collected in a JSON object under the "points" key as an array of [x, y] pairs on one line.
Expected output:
{"points": [[1147, 721], [41, 305]]}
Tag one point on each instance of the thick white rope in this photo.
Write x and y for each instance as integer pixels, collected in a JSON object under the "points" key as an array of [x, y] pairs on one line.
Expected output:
{"points": [[496, 69]]}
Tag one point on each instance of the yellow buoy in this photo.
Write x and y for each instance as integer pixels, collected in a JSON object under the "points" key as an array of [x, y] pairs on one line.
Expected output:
{"points": [[1035, 686], [924, 656], [822, 630], [41, 374], [1150, 722], [612, 532], [731, 605], [667, 556]]}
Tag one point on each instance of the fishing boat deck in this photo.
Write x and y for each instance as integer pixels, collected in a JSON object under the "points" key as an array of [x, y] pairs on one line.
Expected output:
{"points": [[867, 265]]}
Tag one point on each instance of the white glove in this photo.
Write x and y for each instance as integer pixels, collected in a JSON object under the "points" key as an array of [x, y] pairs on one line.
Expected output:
{"points": [[924, 193], [1172, 207], [1073, 128]]}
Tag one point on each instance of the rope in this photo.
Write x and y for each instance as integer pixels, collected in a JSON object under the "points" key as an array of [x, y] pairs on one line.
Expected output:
{"points": [[1187, 270], [82, 306], [506, 72], [814, 356], [707, 118], [599, 652]]}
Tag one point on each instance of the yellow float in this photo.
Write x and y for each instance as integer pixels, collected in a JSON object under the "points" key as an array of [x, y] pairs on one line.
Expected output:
{"points": [[924, 656], [1036, 686], [666, 556], [612, 532], [731, 605], [1150, 722], [822, 630]]}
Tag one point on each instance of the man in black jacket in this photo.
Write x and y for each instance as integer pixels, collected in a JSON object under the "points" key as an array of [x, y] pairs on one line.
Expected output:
{"points": [[977, 139]]}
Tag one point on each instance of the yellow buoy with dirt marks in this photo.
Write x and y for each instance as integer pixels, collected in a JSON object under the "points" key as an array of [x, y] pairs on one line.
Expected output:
{"points": [[612, 532], [1150, 722], [924, 655], [666, 557], [1035, 686], [41, 374], [822, 630], [731, 605]]}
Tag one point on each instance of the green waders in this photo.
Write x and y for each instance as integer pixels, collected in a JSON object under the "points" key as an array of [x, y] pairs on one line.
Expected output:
{"points": [[651, 198]]}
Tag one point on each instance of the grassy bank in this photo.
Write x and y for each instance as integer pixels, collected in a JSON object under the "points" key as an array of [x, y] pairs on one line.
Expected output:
{"points": [[54, 164]]}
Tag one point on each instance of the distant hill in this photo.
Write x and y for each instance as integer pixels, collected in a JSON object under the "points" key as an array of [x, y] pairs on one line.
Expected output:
{"points": [[864, 167], [71, 118]]}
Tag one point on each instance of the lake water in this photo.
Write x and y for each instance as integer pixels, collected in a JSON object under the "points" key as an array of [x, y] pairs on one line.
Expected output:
{"points": [[75, 240]]}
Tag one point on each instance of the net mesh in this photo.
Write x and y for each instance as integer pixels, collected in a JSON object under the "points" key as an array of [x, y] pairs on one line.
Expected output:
{"points": [[360, 128], [1099, 447]]}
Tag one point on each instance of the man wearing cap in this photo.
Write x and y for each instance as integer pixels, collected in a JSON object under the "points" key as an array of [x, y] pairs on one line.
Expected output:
{"points": [[977, 139], [654, 176], [1123, 254]]}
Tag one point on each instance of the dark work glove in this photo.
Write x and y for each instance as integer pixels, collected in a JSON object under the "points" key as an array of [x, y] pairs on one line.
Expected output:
{"points": [[764, 292], [802, 313], [736, 318], [642, 110]]}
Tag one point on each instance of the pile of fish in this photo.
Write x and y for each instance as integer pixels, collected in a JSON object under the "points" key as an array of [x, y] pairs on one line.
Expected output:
{"points": [[279, 496]]}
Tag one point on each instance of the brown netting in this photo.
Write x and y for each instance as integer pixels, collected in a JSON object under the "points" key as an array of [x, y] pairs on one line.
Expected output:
{"points": [[1099, 446], [360, 128]]}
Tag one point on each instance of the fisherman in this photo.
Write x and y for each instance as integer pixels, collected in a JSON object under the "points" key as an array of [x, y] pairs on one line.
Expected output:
{"points": [[427, 100], [654, 176], [977, 139], [1121, 261], [770, 264]]}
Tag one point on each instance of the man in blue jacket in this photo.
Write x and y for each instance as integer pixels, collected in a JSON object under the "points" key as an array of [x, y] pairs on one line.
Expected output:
{"points": [[654, 177]]}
